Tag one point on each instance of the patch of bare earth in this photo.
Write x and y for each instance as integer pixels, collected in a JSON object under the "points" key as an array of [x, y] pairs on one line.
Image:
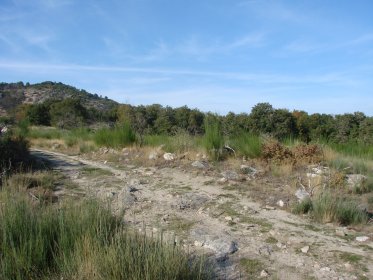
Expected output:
{"points": [[236, 222]]}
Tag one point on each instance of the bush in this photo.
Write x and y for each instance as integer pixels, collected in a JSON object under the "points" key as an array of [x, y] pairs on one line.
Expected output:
{"points": [[213, 139], [310, 153], [13, 151], [276, 152], [120, 136]]}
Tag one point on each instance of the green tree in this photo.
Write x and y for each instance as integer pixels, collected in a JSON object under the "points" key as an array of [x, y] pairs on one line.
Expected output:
{"points": [[68, 113]]}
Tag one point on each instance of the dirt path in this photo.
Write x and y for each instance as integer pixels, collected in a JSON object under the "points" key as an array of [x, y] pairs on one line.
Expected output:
{"points": [[246, 240]]}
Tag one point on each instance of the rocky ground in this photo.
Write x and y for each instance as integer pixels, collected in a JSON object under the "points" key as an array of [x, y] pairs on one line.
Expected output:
{"points": [[237, 218]]}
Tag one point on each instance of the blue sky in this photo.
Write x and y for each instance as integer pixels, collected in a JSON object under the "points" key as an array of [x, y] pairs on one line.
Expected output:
{"points": [[216, 55]]}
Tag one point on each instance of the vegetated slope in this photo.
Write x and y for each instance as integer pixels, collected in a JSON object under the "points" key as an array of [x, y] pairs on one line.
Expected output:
{"points": [[15, 94]]}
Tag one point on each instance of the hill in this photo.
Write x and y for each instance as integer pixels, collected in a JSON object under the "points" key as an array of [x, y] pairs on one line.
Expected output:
{"points": [[15, 94]]}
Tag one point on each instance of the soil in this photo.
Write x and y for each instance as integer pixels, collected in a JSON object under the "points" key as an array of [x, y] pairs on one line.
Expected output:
{"points": [[244, 233]]}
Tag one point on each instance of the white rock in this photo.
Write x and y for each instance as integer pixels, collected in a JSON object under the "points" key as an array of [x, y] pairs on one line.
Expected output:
{"points": [[153, 155], [325, 269], [169, 156], [228, 218], [340, 232], [264, 274], [280, 203], [362, 238], [305, 249]]}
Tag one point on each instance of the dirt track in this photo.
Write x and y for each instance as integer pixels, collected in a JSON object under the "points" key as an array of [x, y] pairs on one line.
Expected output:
{"points": [[206, 216]]}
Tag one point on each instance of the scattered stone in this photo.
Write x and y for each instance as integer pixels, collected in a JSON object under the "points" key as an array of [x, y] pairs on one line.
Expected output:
{"points": [[267, 207], [281, 246], [264, 274], [169, 156], [340, 232], [200, 164], [228, 218], [325, 269], [362, 238], [280, 203], [302, 194], [305, 249], [245, 169], [105, 162], [230, 175], [153, 155], [266, 250], [354, 180], [198, 243], [222, 180]]}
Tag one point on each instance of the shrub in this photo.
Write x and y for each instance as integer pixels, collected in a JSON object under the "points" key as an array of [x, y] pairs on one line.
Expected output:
{"points": [[310, 153], [276, 152], [213, 139], [13, 151]]}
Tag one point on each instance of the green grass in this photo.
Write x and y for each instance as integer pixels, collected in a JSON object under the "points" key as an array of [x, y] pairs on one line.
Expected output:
{"points": [[252, 267], [82, 241], [329, 208], [246, 144], [358, 150], [180, 142], [213, 139], [303, 207], [117, 137], [350, 165]]}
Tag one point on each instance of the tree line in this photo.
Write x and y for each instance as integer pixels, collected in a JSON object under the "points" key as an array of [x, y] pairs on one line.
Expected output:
{"points": [[157, 119]]}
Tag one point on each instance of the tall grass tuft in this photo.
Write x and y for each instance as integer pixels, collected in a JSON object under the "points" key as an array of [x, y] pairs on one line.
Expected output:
{"points": [[82, 241], [247, 144], [118, 137], [213, 139], [328, 208]]}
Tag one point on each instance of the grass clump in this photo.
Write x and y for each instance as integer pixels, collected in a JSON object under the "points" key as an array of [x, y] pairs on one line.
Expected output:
{"points": [[328, 208], [118, 137], [82, 241], [213, 139], [252, 267], [247, 144], [303, 207]]}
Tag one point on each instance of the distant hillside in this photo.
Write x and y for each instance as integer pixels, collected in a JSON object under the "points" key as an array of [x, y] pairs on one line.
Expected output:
{"points": [[15, 94]]}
